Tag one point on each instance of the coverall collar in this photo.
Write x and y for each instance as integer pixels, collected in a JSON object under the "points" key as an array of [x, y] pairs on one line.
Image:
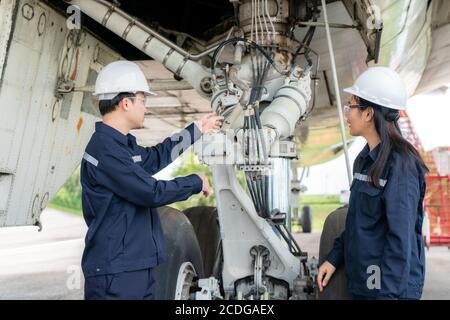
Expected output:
{"points": [[117, 135], [372, 154]]}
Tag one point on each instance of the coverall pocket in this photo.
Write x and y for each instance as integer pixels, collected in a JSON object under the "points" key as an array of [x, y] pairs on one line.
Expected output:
{"points": [[369, 190], [369, 204]]}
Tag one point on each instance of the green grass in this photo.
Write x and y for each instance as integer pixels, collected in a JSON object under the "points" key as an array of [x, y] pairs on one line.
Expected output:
{"points": [[321, 207]]}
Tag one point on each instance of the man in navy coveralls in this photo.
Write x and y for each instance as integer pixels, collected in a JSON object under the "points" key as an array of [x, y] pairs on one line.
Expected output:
{"points": [[124, 241]]}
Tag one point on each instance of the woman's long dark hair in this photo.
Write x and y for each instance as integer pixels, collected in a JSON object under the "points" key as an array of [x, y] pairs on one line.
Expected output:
{"points": [[391, 139]]}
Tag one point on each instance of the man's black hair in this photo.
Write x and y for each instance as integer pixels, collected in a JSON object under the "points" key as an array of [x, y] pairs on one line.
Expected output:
{"points": [[107, 106]]}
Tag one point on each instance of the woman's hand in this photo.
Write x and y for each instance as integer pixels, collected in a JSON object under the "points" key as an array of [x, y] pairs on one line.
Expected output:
{"points": [[326, 270]]}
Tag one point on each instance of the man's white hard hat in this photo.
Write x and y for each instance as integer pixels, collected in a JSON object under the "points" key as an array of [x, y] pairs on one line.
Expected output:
{"points": [[380, 85], [120, 76]]}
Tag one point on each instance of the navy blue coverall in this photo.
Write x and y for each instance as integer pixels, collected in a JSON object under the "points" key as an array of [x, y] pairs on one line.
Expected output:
{"points": [[383, 231], [124, 240]]}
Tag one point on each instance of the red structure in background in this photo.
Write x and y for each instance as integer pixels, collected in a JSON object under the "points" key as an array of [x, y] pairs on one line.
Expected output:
{"points": [[437, 197]]}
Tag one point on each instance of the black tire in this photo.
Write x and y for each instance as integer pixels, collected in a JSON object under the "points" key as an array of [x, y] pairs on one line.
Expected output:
{"points": [[181, 246], [334, 225], [206, 225], [306, 219]]}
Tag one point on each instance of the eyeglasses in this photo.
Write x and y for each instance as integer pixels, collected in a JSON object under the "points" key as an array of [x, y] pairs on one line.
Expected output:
{"points": [[145, 100], [348, 107]]}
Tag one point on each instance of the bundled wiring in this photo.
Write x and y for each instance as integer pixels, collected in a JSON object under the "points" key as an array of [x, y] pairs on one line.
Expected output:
{"points": [[248, 42]]}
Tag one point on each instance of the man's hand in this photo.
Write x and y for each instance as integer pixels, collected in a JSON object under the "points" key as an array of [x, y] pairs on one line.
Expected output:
{"points": [[206, 189], [210, 122], [326, 270]]}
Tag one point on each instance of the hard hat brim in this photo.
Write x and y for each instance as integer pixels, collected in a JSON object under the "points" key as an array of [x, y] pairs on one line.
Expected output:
{"points": [[350, 90], [354, 91], [150, 93], [110, 95]]}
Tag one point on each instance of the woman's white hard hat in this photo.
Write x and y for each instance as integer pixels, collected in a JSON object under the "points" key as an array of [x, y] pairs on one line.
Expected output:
{"points": [[380, 85], [120, 76]]}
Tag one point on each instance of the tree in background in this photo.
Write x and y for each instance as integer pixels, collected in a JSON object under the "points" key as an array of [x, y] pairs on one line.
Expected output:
{"points": [[69, 196], [190, 164]]}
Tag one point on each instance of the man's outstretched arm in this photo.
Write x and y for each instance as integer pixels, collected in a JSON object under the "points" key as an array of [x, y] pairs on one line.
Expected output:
{"points": [[161, 155]]}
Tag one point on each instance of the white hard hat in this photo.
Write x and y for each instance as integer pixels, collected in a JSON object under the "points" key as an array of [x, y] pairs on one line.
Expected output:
{"points": [[380, 85], [120, 76]]}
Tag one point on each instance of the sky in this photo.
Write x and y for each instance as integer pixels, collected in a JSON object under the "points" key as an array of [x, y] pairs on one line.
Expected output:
{"points": [[430, 116]]}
